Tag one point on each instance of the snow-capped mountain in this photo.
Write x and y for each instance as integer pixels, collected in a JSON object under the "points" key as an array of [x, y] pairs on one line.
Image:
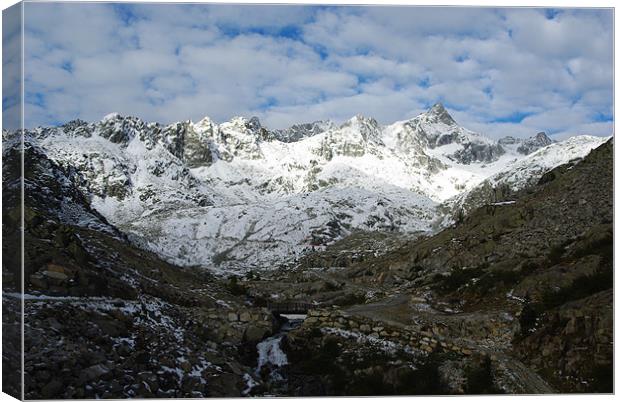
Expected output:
{"points": [[238, 196], [524, 172]]}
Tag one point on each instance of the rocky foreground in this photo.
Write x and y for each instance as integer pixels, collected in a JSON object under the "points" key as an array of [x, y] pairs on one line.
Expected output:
{"points": [[515, 297]]}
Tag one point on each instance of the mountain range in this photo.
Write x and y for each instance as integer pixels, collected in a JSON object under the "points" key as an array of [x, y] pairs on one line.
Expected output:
{"points": [[237, 196]]}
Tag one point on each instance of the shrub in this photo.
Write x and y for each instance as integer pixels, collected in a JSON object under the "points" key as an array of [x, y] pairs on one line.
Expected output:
{"points": [[493, 278], [555, 253], [527, 320], [251, 275], [528, 267], [234, 287], [457, 278], [350, 299]]}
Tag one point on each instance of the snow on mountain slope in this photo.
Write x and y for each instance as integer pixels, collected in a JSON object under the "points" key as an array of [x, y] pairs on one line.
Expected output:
{"points": [[525, 171], [238, 196], [529, 169], [264, 234]]}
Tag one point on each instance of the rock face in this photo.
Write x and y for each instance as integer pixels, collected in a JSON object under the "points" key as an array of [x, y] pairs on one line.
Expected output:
{"points": [[527, 146], [559, 344], [535, 143], [298, 132], [478, 153], [334, 353]]}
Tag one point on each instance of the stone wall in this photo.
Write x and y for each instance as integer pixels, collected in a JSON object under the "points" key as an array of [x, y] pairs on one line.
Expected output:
{"points": [[425, 340], [238, 324]]}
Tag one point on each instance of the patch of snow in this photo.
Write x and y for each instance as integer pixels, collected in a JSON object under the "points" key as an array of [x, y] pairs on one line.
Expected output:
{"points": [[502, 203], [383, 344]]}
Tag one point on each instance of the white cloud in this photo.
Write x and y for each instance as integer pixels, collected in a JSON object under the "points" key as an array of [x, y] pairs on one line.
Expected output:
{"points": [[11, 67], [289, 64]]}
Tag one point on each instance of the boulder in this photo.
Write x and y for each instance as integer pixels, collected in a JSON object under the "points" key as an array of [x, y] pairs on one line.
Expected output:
{"points": [[95, 371], [255, 333], [56, 276], [232, 317]]}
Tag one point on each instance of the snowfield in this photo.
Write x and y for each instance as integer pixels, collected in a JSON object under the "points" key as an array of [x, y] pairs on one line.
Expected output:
{"points": [[236, 196]]}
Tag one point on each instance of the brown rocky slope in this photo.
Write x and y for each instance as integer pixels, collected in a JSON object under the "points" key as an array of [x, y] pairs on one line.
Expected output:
{"points": [[544, 257]]}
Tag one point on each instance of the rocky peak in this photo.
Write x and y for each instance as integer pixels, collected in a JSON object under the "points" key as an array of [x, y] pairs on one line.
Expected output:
{"points": [[367, 127], [435, 127], [354, 137], [300, 131], [120, 129], [74, 125], [534, 143], [438, 113], [360, 119], [237, 122], [248, 127], [205, 125], [542, 138], [253, 124], [258, 130], [527, 146]]}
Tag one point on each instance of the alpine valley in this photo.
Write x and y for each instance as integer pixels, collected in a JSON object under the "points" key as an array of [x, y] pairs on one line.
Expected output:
{"points": [[416, 258]]}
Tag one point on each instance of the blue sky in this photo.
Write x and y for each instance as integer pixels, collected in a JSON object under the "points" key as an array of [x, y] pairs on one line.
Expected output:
{"points": [[498, 71]]}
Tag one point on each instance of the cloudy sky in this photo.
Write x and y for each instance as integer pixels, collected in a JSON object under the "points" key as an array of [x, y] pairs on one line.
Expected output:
{"points": [[498, 71]]}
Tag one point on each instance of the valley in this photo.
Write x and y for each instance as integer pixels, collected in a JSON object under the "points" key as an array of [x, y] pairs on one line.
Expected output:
{"points": [[427, 259]]}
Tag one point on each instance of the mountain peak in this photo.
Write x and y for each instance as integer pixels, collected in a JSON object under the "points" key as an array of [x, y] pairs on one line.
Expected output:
{"points": [[253, 124], [111, 116], [360, 117], [543, 138], [534, 143], [300, 131], [361, 120], [437, 108], [439, 112], [242, 123]]}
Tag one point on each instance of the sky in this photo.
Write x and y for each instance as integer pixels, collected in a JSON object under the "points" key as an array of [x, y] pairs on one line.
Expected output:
{"points": [[498, 71]]}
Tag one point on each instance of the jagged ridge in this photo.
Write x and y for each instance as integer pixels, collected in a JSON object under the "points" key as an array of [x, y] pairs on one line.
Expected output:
{"points": [[239, 195]]}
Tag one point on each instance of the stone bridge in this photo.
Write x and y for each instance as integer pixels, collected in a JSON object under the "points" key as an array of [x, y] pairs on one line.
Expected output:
{"points": [[290, 307]]}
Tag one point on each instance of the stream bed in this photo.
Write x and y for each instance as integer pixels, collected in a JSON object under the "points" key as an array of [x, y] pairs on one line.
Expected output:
{"points": [[272, 361]]}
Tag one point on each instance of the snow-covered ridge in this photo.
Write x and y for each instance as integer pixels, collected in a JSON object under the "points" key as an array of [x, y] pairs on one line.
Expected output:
{"points": [[528, 170], [239, 196]]}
